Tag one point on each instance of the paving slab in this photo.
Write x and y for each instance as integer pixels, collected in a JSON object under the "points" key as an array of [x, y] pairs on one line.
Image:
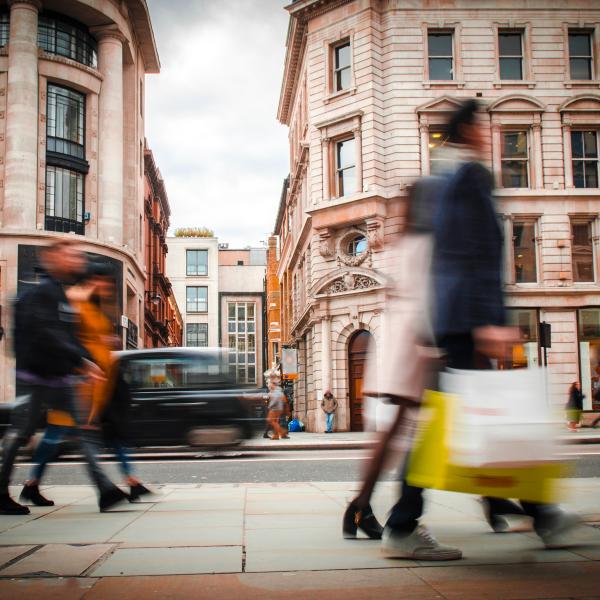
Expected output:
{"points": [[63, 560], [171, 561], [337, 585], [46, 588], [180, 529], [8, 553]]}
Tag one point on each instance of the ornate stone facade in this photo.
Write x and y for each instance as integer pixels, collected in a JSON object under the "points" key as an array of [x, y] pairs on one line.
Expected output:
{"points": [[365, 113]]}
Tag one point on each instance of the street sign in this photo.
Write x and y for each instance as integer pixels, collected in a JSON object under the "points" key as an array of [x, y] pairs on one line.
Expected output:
{"points": [[289, 363]]}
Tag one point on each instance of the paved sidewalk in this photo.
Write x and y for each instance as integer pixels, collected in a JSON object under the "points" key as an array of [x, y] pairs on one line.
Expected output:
{"points": [[279, 541], [365, 439]]}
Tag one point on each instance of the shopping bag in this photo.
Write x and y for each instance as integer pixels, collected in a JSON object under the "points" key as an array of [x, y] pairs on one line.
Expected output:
{"points": [[485, 437]]}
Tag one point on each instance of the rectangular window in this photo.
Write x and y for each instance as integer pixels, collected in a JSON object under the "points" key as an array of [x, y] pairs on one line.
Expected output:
{"points": [[525, 354], [582, 252], [241, 328], [515, 159], [197, 335], [65, 121], [342, 67], [196, 262], [196, 299], [580, 55], [64, 200], [345, 167], [584, 152], [510, 51], [440, 55], [524, 252]]}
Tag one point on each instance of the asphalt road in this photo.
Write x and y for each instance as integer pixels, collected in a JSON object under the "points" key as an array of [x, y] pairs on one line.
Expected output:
{"points": [[246, 467]]}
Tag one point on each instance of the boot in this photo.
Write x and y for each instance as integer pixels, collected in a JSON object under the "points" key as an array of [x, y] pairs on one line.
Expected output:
{"points": [[9, 507], [363, 519], [31, 493], [110, 497], [137, 491]]}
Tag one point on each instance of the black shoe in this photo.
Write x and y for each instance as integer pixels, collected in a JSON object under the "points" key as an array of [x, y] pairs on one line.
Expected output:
{"points": [[9, 507], [266, 436], [496, 519], [110, 497], [31, 493], [137, 491], [363, 519]]}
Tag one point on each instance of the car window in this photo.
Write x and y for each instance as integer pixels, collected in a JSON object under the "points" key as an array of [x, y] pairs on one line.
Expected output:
{"points": [[176, 372]]}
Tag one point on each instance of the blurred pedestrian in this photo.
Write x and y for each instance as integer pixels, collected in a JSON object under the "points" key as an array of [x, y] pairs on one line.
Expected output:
{"points": [[98, 402], [329, 405], [407, 354], [276, 407], [50, 363], [574, 406]]}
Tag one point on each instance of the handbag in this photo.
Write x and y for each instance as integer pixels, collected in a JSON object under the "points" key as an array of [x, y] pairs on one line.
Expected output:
{"points": [[490, 433]]}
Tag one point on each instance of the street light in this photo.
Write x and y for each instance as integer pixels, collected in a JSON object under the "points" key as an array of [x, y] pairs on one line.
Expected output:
{"points": [[153, 297]]}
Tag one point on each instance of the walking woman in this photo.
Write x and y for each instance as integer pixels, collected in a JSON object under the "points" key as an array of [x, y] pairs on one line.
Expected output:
{"points": [[574, 406]]}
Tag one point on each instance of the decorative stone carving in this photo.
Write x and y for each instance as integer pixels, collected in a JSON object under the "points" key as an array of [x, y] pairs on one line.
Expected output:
{"points": [[326, 244], [375, 234], [348, 282]]}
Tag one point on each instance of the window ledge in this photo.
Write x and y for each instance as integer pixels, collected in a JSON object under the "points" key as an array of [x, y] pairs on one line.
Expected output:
{"points": [[514, 83], [341, 94], [69, 62], [582, 83], [429, 83]]}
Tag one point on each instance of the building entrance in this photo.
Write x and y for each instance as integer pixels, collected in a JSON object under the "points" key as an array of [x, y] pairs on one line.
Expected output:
{"points": [[357, 357]]}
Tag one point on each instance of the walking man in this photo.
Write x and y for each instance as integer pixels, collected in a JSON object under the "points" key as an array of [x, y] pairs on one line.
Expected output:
{"points": [[50, 362], [329, 405]]}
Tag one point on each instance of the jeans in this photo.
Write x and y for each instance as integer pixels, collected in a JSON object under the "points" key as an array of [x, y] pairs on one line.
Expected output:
{"points": [[329, 420], [122, 456], [25, 419], [47, 449], [405, 514]]}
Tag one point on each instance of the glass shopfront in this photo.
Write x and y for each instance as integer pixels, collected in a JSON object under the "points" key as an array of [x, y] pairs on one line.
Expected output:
{"points": [[526, 354], [589, 356]]}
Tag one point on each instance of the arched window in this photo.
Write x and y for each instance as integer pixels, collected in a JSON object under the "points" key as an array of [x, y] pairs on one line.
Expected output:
{"points": [[64, 37], [357, 245]]}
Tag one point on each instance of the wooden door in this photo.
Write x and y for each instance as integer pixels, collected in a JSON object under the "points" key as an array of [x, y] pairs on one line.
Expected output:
{"points": [[357, 357]]}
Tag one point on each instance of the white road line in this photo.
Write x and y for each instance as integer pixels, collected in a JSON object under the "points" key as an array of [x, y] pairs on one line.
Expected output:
{"points": [[206, 461]]}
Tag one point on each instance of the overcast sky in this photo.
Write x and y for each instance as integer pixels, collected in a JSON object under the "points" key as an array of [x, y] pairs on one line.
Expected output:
{"points": [[211, 113]]}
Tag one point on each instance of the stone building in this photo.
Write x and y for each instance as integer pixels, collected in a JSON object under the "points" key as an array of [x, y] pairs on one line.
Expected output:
{"points": [[72, 142], [163, 325], [193, 270], [242, 311], [367, 87]]}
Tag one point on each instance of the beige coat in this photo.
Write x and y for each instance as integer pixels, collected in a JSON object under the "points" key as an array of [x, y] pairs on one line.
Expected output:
{"points": [[401, 363]]}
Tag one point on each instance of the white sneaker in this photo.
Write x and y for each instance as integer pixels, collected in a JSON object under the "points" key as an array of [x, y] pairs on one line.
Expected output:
{"points": [[418, 545], [559, 536]]}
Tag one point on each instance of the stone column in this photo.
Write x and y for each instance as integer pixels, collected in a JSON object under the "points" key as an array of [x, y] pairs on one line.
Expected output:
{"points": [[359, 161], [567, 154], [20, 184], [110, 133], [326, 353], [424, 138], [537, 181], [325, 162]]}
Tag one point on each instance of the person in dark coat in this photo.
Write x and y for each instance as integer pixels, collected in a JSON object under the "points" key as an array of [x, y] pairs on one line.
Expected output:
{"points": [[574, 405]]}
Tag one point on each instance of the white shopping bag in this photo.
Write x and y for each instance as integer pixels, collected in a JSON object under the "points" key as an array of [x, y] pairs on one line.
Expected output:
{"points": [[500, 418]]}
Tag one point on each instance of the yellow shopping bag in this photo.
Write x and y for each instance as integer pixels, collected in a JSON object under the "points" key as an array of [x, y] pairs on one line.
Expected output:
{"points": [[430, 463]]}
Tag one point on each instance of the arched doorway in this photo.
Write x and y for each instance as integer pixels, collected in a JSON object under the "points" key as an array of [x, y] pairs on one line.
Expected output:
{"points": [[357, 357]]}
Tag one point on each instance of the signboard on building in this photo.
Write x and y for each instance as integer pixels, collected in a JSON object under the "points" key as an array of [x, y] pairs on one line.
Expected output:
{"points": [[289, 363]]}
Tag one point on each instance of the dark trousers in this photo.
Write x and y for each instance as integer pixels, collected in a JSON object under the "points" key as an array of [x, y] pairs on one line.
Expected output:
{"points": [[405, 514], [31, 403]]}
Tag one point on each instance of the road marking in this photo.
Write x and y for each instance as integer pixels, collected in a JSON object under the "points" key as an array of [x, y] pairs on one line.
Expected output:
{"points": [[204, 461]]}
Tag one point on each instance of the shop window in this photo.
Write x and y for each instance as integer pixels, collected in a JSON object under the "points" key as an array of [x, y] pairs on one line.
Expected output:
{"points": [[440, 55], [515, 159], [526, 354], [241, 334], [524, 252], [580, 54], [510, 51], [582, 252], [437, 140], [589, 353], [584, 152]]}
